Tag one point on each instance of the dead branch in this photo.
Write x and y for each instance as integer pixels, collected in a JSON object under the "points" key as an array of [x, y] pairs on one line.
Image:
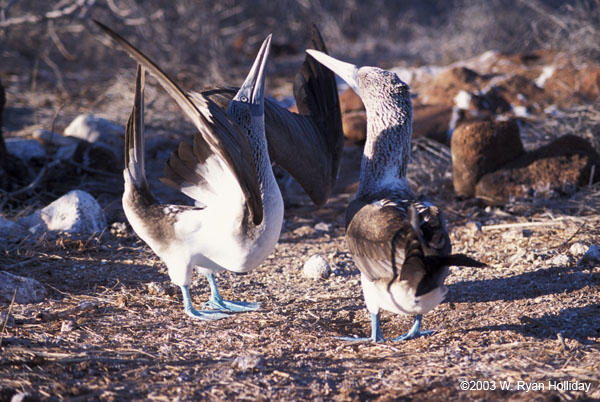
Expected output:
{"points": [[83, 5]]}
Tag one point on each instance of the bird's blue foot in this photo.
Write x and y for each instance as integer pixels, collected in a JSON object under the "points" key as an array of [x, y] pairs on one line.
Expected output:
{"points": [[231, 306], [376, 335], [414, 332], [216, 302], [206, 315], [189, 309]]}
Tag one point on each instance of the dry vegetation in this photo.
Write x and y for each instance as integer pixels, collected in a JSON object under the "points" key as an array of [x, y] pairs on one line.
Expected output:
{"points": [[113, 328]]}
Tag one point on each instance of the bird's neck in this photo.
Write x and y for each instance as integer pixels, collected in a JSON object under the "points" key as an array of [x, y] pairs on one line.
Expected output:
{"points": [[257, 140], [387, 149]]}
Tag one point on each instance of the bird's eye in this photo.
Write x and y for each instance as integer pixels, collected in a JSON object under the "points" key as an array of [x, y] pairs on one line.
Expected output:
{"points": [[244, 99]]}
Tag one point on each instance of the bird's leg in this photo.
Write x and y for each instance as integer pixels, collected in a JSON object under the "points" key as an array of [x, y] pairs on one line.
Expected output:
{"points": [[414, 332], [200, 315], [216, 301], [376, 335]]}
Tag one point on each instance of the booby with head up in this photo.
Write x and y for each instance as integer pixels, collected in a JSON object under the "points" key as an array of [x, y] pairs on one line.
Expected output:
{"points": [[308, 144], [239, 210], [398, 241]]}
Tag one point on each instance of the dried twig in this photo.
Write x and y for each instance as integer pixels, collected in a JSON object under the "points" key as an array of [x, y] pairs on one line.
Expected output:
{"points": [[8, 315], [50, 15]]}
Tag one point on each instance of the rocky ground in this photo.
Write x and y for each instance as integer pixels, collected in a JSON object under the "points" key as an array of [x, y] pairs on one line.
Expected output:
{"points": [[111, 326]]}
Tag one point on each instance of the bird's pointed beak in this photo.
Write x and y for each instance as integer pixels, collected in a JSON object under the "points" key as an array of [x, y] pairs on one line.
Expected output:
{"points": [[348, 72], [252, 90]]}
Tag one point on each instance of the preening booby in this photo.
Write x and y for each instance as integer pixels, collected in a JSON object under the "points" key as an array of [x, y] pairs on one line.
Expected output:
{"points": [[398, 241], [227, 171]]}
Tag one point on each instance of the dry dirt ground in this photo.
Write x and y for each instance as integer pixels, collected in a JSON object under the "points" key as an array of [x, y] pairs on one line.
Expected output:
{"points": [[113, 327]]}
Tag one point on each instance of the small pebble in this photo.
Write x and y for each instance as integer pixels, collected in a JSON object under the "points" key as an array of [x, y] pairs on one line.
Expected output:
{"points": [[473, 226], [155, 288], [323, 227], [316, 267], [248, 363], [86, 305], [67, 326]]}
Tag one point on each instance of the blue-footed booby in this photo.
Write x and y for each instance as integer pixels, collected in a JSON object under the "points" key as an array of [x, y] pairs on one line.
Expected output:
{"points": [[239, 209], [398, 241], [308, 144]]}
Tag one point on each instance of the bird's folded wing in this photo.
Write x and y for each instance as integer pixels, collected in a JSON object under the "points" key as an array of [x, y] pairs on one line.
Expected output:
{"points": [[217, 138], [377, 238]]}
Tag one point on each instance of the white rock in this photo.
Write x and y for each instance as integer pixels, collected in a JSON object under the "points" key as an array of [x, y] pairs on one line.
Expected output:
{"points": [[560, 260], [95, 129], [28, 290], [316, 267], [67, 326], [25, 149], [577, 249], [323, 227], [547, 72], [74, 212], [591, 256]]}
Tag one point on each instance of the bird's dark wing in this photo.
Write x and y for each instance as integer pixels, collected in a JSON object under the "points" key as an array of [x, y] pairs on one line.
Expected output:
{"points": [[387, 242], [217, 136], [376, 236], [308, 144]]}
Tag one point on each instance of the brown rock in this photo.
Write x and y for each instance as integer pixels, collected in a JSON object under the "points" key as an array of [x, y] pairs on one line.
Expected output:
{"points": [[482, 147], [446, 85], [350, 101], [519, 90], [558, 168], [568, 83], [354, 125], [432, 121]]}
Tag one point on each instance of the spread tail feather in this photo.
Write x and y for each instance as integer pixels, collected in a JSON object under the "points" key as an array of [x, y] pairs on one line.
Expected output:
{"points": [[134, 136]]}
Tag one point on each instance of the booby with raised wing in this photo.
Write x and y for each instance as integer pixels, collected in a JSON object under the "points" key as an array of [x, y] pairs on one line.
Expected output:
{"points": [[239, 209], [398, 241], [308, 144]]}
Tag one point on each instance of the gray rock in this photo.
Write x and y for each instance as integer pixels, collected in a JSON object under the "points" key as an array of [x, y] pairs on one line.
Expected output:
{"points": [[52, 138], [74, 212], [25, 149], [28, 290], [10, 228], [66, 152], [94, 129], [591, 256], [316, 267]]}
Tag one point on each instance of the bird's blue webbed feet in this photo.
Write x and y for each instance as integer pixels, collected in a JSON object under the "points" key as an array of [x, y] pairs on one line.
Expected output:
{"points": [[207, 315], [376, 335], [414, 332], [216, 302]]}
